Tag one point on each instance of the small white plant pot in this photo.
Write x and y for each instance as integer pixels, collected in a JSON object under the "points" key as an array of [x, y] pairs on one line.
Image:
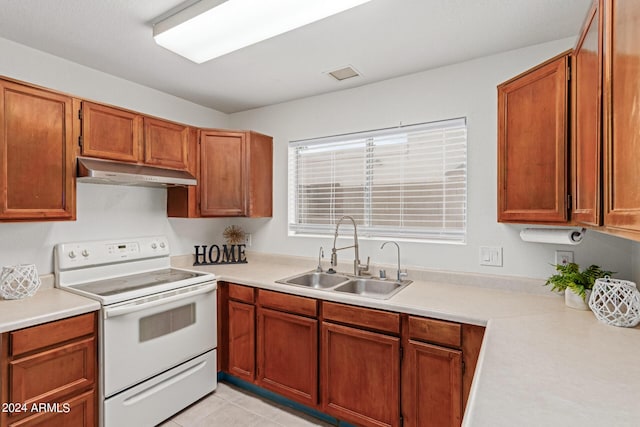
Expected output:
{"points": [[573, 300]]}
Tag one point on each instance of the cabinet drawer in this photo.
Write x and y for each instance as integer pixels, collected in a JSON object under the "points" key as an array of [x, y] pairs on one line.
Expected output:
{"points": [[288, 303], [241, 293], [41, 336], [436, 331], [48, 376], [364, 317], [78, 411]]}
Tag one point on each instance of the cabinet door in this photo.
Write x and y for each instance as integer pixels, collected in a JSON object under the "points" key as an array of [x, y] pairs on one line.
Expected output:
{"points": [[110, 133], [165, 144], [260, 203], [223, 180], [622, 115], [242, 340], [360, 376], [586, 117], [532, 145], [37, 154], [432, 386], [76, 412], [288, 355]]}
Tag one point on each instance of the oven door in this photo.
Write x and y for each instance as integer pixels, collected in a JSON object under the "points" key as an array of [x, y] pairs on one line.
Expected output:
{"points": [[146, 336]]}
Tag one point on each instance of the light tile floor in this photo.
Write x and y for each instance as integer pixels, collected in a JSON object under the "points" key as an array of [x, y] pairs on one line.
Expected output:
{"points": [[230, 406]]}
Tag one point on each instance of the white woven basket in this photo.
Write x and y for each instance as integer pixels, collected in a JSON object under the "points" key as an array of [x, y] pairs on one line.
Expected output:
{"points": [[19, 281], [616, 302]]}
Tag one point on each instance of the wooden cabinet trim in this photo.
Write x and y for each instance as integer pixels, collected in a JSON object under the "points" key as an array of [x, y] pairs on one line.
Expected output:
{"points": [[364, 317], [242, 293], [435, 331], [472, 337], [52, 333], [288, 303]]}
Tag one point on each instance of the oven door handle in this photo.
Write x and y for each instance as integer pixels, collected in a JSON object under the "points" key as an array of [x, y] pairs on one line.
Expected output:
{"points": [[149, 302]]}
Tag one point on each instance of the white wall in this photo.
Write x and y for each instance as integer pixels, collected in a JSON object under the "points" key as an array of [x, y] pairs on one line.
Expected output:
{"points": [[463, 90], [635, 263], [466, 89], [103, 211]]}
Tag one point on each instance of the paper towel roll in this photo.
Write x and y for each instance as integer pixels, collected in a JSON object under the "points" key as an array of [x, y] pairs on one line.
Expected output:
{"points": [[560, 236]]}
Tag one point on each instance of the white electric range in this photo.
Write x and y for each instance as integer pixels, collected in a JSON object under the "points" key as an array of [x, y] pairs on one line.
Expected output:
{"points": [[157, 332]]}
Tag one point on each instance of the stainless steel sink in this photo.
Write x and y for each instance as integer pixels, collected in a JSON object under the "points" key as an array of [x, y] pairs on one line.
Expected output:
{"points": [[372, 288], [317, 280]]}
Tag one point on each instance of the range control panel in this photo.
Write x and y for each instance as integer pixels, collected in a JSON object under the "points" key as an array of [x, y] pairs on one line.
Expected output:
{"points": [[84, 254]]}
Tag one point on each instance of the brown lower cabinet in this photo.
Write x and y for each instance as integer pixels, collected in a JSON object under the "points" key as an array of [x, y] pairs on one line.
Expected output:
{"points": [[360, 375], [242, 340], [287, 352], [52, 374], [365, 366]]}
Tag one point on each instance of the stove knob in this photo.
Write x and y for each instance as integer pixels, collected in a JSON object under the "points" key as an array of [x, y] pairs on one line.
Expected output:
{"points": [[72, 254], [85, 253], [154, 246], [162, 245]]}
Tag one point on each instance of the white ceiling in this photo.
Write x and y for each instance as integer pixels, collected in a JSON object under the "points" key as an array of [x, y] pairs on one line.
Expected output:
{"points": [[381, 39]]}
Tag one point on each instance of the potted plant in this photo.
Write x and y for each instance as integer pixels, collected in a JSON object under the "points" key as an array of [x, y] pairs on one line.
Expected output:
{"points": [[576, 284]]}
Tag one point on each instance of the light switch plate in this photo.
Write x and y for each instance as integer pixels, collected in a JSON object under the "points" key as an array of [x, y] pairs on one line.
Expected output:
{"points": [[491, 255]]}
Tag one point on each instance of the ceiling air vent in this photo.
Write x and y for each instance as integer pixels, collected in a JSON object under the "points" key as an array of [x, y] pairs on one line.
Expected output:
{"points": [[344, 73]]}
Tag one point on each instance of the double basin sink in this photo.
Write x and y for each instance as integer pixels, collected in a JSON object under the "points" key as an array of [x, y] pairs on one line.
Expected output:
{"points": [[361, 286]]}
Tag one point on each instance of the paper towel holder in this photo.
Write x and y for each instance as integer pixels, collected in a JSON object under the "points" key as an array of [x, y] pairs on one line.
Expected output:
{"points": [[562, 236]]}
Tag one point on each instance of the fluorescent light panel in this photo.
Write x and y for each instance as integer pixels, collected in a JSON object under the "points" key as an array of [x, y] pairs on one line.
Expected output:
{"points": [[211, 28]]}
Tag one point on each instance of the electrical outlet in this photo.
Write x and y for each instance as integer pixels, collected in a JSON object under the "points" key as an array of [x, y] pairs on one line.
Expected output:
{"points": [[491, 256], [247, 239], [564, 257]]}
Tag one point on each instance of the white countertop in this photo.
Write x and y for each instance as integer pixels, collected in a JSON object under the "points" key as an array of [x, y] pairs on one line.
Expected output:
{"points": [[46, 305], [541, 363]]}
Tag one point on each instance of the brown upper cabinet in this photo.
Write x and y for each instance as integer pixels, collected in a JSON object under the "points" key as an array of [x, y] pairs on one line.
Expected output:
{"points": [[532, 144], [110, 133], [165, 144], [37, 154], [117, 134], [621, 117], [235, 174], [586, 104], [605, 142]]}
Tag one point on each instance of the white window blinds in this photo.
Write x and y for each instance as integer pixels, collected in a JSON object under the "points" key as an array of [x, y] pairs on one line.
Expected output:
{"points": [[408, 182]]}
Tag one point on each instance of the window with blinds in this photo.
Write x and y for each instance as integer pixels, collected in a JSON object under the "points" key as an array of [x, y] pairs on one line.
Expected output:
{"points": [[408, 182]]}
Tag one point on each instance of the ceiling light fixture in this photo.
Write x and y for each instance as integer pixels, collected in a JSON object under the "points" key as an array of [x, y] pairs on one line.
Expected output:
{"points": [[212, 28]]}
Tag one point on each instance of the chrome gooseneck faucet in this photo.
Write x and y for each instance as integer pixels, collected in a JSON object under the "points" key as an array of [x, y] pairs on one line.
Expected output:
{"points": [[400, 274], [358, 268], [320, 256]]}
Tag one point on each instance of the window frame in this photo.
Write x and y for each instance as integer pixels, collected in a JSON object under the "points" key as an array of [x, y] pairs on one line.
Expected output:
{"points": [[446, 235]]}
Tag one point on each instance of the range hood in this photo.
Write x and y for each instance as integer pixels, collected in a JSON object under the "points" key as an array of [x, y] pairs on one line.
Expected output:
{"points": [[100, 171]]}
